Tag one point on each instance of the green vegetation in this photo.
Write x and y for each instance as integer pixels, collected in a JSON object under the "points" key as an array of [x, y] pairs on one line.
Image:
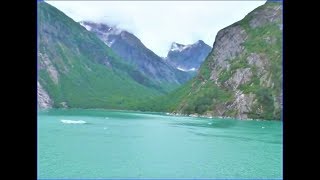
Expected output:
{"points": [[238, 63], [266, 40], [201, 95], [90, 75], [204, 70], [225, 75], [265, 105], [206, 99], [166, 103]]}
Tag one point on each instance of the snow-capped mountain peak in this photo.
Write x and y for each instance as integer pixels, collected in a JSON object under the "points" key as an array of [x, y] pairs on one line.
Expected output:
{"points": [[178, 47], [187, 57], [175, 46], [104, 31]]}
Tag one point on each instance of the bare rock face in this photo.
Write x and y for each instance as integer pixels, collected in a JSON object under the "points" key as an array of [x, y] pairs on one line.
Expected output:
{"points": [[242, 103], [45, 63], [260, 61], [228, 45], [266, 15], [44, 100], [243, 71], [241, 76]]}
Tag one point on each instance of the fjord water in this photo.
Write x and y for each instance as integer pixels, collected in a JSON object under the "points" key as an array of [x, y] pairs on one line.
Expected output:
{"points": [[118, 144]]}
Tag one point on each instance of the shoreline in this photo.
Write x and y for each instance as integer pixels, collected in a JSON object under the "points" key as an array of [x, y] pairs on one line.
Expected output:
{"points": [[216, 117], [164, 113]]}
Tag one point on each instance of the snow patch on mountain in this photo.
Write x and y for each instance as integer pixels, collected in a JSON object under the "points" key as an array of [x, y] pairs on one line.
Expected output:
{"points": [[86, 26], [105, 32], [178, 47], [106, 36]]}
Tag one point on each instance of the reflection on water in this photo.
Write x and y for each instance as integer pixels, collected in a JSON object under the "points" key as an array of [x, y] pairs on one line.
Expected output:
{"points": [[211, 124], [236, 137], [243, 130]]}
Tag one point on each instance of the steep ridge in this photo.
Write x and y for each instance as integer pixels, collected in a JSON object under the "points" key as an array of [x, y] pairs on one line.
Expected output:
{"points": [[242, 76], [133, 51], [76, 69]]}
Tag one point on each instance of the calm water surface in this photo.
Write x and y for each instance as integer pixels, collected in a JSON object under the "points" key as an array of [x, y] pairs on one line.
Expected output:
{"points": [[120, 144]]}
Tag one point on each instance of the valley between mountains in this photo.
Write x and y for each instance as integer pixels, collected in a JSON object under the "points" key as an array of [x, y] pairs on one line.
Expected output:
{"points": [[94, 65]]}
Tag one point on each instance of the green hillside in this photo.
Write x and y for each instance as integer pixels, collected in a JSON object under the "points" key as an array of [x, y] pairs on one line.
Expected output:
{"points": [[76, 69], [241, 77]]}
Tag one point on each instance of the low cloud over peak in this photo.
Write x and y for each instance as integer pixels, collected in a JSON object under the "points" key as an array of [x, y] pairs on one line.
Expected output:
{"points": [[159, 23]]}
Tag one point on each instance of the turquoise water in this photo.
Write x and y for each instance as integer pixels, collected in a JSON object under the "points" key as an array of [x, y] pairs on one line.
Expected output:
{"points": [[119, 144]]}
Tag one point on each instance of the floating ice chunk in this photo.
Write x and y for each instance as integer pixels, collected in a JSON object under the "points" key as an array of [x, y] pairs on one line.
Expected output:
{"points": [[65, 121]]}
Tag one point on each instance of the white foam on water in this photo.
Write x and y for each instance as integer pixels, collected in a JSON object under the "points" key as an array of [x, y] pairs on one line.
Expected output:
{"points": [[106, 118], [262, 127], [65, 121], [210, 123]]}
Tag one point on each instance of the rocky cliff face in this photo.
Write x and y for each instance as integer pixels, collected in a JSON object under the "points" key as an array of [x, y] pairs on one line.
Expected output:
{"points": [[188, 57], [242, 76], [132, 50], [44, 101]]}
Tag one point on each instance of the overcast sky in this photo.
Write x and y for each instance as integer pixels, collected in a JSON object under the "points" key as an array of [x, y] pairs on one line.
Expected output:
{"points": [[159, 23]]}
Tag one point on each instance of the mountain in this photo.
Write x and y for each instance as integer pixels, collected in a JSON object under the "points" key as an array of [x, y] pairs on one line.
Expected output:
{"points": [[133, 51], [242, 75], [76, 69], [188, 57]]}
